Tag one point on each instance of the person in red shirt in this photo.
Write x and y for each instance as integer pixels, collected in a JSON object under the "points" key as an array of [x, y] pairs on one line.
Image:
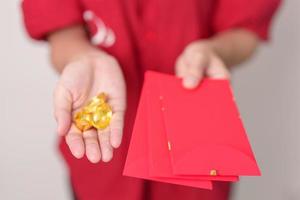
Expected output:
{"points": [[106, 46]]}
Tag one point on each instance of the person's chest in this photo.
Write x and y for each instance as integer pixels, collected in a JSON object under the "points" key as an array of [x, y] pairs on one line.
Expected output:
{"points": [[149, 34]]}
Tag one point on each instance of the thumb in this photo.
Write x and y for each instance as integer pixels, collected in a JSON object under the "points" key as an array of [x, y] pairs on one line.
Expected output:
{"points": [[194, 71], [62, 109]]}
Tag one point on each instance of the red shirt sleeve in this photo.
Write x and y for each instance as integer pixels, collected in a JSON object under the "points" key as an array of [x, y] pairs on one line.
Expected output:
{"points": [[44, 16], [254, 15]]}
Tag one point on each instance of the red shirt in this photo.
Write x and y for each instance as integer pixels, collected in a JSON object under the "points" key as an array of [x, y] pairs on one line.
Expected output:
{"points": [[142, 34]]}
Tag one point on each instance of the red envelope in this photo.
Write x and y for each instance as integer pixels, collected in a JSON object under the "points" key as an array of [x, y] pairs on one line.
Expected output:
{"points": [[188, 137], [137, 161], [203, 123], [159, 157]]}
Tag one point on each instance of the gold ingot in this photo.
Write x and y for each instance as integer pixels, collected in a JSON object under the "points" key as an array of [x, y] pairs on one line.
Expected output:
{"points": [[95, 102], [89, 109], [83, 121], [213, 172], [98, 100], [97, 113], [102, 117]]}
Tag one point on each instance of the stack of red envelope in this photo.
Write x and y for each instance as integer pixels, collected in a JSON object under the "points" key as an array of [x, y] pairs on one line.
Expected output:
{"points": [[188, 137]]}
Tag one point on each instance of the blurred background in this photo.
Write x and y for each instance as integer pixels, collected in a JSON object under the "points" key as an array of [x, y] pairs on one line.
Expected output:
{"points": [[266, 89]]}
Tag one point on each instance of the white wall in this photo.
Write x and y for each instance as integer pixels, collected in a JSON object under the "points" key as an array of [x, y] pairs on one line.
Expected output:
{"points": [[30, 167], [266, 90]]}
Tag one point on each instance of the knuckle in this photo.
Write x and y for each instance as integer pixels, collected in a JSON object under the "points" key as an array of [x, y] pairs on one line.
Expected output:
{"points": [[71, 139], [118, 119], [105, 143], [117, 129], [91, 141], [104, 135], [89, 135]]}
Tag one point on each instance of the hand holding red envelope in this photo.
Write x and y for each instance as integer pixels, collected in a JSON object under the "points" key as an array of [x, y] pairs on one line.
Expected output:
{"points": [[188, 137]]}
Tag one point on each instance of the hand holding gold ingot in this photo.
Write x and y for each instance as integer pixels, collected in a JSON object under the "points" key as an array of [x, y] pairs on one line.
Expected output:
{"points": [[96, 114]]}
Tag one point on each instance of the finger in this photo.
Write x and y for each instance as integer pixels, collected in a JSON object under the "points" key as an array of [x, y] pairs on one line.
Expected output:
{"points": [[194, 70], [92, 148], [62, 109], [117, 121], [116, 129], [190, 82], [105, 146], [181, 67], [75, 142], [217, 70], [193, 77], [183, 71]]}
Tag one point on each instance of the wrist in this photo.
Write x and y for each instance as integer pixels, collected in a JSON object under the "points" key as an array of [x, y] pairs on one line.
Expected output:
{"points": [[96, 60], [87, 55], [69, 44]]}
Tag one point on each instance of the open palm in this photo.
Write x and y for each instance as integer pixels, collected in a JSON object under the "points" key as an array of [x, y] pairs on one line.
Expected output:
{"points": [[81, 80]]}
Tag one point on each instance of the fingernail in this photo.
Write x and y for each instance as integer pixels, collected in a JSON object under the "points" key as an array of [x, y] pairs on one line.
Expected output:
{"points": [[107, 156], [190, 82], [77, 152], [94, 158], [115, 144]]}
